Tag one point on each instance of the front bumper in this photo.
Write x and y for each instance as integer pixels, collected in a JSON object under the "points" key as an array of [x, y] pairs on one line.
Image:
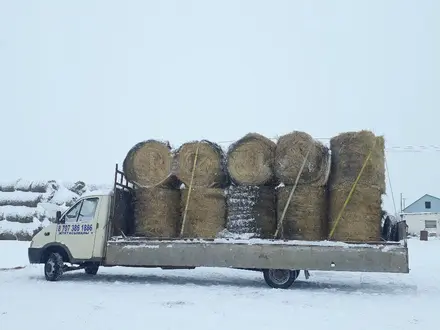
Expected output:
{"points": [[34, 255]]}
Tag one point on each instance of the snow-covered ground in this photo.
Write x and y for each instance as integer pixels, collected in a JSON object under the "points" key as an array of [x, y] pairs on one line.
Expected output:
{"points": [[126, 298]]}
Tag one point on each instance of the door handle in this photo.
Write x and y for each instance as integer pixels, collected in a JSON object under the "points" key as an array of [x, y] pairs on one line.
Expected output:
{"points": [[46, 233]]}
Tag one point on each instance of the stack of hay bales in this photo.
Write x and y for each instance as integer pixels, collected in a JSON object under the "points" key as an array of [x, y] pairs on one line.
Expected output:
{"points": [[251, 197], [259, 176], [200, 166], [156, 202], [305, 216], [361, 219]]}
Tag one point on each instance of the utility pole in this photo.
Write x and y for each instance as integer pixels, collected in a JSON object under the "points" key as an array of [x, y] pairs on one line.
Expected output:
{"points": [[401, 202]]}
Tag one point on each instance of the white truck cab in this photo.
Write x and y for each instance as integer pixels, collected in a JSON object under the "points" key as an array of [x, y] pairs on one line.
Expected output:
{"points": [[78, 237]]}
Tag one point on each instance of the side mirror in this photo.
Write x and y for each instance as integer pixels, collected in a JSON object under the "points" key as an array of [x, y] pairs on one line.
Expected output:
{"points": [[58, 217]]}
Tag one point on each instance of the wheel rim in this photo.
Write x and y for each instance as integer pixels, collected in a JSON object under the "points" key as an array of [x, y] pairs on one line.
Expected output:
{"points": [[49, 268], [279, 276]]}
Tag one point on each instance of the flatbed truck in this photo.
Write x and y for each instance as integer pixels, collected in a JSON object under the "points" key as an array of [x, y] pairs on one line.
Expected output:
{"points": [[90, 234]]}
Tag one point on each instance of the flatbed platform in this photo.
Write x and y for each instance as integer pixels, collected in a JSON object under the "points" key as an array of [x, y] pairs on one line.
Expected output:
{"points": [[258, 254]]}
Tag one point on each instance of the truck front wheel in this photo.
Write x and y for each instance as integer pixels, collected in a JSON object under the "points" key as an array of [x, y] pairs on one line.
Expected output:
{"points": [[280, 278], [53, 267]]}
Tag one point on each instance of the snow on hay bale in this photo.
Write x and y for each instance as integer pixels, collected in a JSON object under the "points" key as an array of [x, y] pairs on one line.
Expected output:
{"points": [[290, 152], [23, 185], [149, 164], [251, 210], [250, 160], [21, 214], [20, 198], [7, 186], [361, 218], [205, 212], [306, 214], [32, 186], [157, 212], [19, 231], [210, 166]]}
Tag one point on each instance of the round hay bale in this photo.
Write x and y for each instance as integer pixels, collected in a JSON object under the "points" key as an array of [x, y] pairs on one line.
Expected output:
{"points": [[250, 160], [290, 152], [306, 215], [206, 212], [23, 185], [39, 186], [210, 168], [17, 236], [78, 188], [251, 210], [361, 219], [157, 212], [349, 152], [7, 186], [149, 164]]}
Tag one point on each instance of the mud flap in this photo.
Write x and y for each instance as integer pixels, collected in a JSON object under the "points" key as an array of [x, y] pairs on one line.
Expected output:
{"points": [[306, 274]]}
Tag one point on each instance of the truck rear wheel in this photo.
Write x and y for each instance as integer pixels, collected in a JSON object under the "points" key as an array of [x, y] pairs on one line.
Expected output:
{"points": [[280, 278], [53, 267]]}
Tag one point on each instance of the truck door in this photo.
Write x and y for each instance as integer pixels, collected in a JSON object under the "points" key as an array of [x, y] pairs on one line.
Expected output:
{"points": [[77, 228]]}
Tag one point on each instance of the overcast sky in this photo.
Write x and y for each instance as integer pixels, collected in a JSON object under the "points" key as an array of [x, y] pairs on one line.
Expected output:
{"points": [[83, 81]]}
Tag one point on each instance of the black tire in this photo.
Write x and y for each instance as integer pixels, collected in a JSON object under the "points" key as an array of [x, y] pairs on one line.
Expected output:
{"points": [[280, 278], [53, 267], [91, 269]]}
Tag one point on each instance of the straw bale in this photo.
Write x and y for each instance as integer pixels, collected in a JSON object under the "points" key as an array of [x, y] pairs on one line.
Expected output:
{"points": [[157, 212], [210, 167], [39, 186], [306, 215], [206, 212], [18, 236], [20, 218], [361, 219], [7, 186], [20, 198], [349, 152], [290, 152], [31, 186], [78, 187], [250, 160], [251, 210], [149, 164]]}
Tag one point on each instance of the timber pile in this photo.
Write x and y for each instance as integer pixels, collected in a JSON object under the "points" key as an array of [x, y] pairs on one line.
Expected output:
{"points": [[200, 191]]}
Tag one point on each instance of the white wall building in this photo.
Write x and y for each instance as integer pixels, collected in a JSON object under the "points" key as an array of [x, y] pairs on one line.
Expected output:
{"points": [[423, 214]]}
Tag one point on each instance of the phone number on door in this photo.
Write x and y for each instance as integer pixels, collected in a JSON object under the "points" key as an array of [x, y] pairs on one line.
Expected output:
{"points": [[83, 229]]}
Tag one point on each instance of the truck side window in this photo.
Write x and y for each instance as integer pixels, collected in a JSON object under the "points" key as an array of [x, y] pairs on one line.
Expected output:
{"points": [[72, 215], [88, 210]]}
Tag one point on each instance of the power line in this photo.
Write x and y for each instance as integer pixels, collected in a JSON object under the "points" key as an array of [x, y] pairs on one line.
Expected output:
{"points": [[396, 148]]}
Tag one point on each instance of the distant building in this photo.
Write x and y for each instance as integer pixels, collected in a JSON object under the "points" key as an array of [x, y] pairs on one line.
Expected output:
{"points": [[423, 214]]}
